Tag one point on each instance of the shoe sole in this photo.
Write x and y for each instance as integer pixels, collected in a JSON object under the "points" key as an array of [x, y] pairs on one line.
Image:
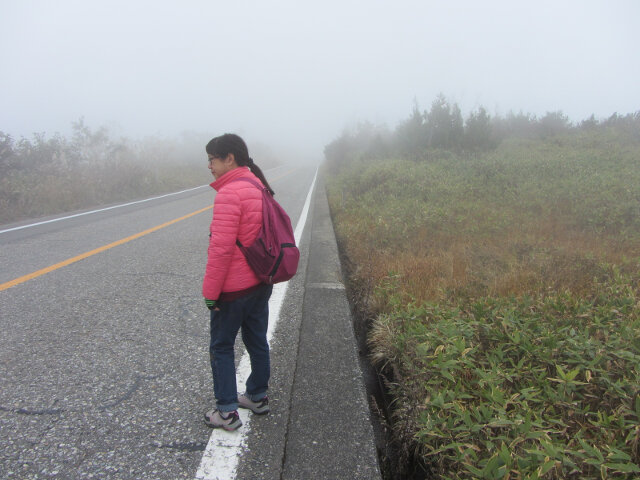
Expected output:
{"points": [[228, 428], [257, 411]]}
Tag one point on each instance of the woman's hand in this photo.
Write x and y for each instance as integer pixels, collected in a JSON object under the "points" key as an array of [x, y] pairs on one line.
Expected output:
{"points": [[211, 304]]}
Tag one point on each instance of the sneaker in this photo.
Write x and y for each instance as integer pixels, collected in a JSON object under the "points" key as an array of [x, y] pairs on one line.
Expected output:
{"points": [[228, 420], [260, 407]]}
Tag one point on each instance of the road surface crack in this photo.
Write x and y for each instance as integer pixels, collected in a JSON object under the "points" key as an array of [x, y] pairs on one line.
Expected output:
{"points": [[129, 393]]}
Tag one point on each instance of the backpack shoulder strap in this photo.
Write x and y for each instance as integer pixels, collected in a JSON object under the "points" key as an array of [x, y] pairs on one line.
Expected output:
{"points": [[257, 185]]}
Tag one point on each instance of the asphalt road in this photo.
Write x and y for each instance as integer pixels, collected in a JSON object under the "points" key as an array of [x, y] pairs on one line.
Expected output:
{"points": [[104, 363]]}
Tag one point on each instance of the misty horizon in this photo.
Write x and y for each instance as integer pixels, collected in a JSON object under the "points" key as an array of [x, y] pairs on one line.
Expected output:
{"points": [[296, 76]]}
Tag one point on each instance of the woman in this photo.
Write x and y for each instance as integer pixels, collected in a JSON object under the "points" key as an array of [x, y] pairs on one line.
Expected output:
{"points": [[234, 295]]}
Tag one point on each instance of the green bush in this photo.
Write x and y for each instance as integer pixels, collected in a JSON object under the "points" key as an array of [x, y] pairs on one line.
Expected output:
{"points": [[519, 388]]}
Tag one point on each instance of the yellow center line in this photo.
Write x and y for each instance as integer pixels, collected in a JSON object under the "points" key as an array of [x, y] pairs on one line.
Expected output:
{"points": [[82, 256], [69, 261]]}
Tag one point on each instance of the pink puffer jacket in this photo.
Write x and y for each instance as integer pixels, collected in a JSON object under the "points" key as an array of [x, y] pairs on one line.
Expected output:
{"points": [[237, 214]]}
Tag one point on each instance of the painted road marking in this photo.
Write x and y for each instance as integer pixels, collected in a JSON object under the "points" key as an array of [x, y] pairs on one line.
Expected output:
{"points": [[123, 205], [69, 261], [82, 256], [220, 458]]}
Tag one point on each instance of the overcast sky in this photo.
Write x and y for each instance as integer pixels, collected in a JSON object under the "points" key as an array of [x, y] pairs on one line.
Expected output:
{"points": [[296, 73]]}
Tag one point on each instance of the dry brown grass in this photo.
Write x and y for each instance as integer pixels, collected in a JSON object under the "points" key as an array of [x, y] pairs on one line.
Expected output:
{"points": [[525, 219], [526, 259]]}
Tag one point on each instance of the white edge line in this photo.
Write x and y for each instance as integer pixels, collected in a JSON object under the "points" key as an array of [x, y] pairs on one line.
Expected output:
{"points": [[112, 207], [220, 458], [100, 210]]}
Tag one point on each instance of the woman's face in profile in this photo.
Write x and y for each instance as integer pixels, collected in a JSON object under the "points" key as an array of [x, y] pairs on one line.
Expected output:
{"points": [[220, 166]]}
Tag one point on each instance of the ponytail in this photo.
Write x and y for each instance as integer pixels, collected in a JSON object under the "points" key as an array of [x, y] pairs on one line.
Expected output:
{"points": [[228, 143], [255, 169]]}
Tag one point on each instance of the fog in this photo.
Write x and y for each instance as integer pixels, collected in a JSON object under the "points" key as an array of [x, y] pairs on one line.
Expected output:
{"points": [[294, 74]]}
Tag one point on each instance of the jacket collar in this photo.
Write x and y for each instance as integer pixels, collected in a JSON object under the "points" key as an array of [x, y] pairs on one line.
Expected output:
{"points": [[230, 176]]}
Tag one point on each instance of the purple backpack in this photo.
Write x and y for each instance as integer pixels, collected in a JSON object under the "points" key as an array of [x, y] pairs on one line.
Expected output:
{"points": [[273, 256]]}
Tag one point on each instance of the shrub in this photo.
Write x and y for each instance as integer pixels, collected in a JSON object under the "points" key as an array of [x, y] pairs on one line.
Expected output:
{"points": [[43, 176], [521, 388]]}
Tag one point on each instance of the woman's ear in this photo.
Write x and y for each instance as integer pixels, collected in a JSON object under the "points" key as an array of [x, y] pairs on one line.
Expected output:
{"points": [[231, 159]]}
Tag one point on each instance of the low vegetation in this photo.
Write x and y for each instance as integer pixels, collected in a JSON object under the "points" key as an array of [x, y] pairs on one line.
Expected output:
{"points": [[499, 271], [43, 176], [49, 175]]}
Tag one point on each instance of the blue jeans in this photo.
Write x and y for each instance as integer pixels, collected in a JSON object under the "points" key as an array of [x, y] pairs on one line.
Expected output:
{"points": [[250, 314]]}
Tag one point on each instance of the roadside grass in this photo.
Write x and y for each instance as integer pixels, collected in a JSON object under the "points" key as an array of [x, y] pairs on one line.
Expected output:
{"points": [[31, 194], [48, 175], [503, 289]]}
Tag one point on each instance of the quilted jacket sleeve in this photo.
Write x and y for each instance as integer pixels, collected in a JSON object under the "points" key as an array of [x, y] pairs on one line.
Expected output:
{"points": [[222, 244]]}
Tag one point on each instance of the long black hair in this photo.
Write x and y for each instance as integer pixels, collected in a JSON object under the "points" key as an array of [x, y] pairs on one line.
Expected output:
{"points": [[220, 147]]}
